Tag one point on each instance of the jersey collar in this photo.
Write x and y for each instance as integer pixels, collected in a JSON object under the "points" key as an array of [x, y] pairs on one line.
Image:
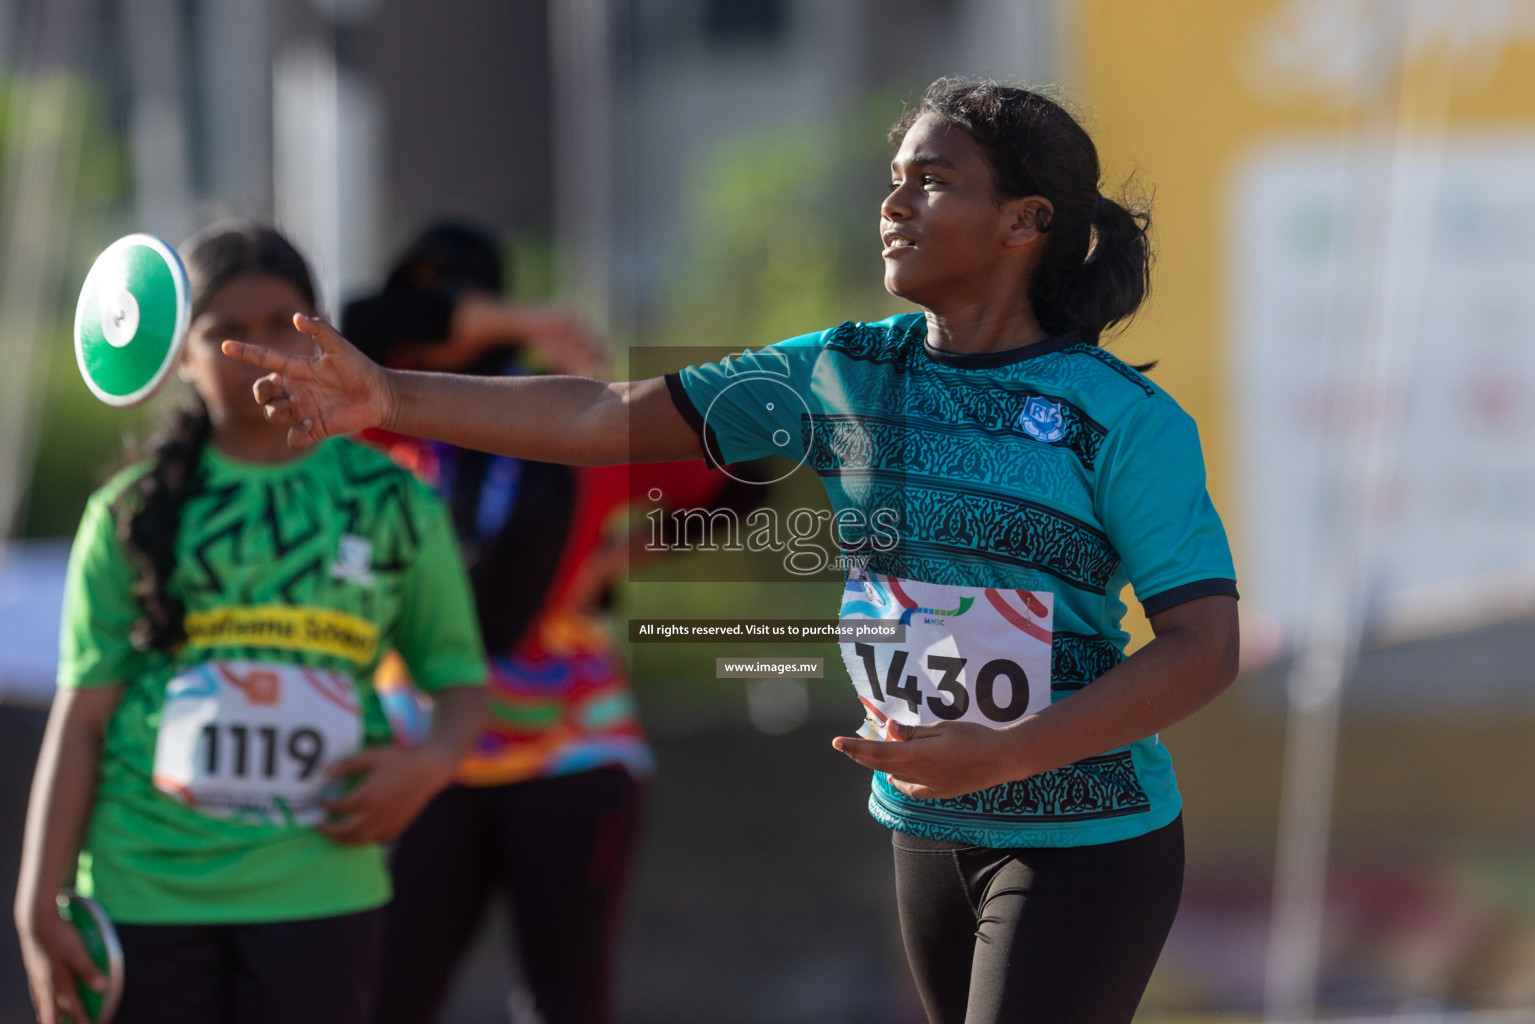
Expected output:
{"points": [[1006, 357]]}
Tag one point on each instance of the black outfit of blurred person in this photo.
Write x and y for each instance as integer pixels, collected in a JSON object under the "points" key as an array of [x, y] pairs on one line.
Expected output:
{"points": [[559, 846], [548, 806]]}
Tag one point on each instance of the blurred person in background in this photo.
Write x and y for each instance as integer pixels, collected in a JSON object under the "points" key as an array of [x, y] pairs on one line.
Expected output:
{"points": [[548, 804], [1011, 478], [217, 760]]}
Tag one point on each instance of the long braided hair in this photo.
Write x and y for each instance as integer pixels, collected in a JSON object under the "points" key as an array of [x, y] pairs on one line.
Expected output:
{"points": [[148, 513]]}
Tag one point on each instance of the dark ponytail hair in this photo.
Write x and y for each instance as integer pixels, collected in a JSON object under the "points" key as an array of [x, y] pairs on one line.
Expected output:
{"points": [[1096, 265], [149, 512]]}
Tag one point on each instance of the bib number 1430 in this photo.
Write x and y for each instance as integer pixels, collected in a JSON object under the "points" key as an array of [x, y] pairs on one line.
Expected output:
{"points": [[953, 700], [970, 654]]}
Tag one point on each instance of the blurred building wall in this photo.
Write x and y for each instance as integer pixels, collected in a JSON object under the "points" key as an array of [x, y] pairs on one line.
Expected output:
{"points": [[701, 71], [1190, 93], [1231, 113]]}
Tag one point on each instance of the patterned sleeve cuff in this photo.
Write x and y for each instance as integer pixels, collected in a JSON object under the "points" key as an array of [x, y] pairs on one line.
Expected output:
{"points": [[684, 403]]}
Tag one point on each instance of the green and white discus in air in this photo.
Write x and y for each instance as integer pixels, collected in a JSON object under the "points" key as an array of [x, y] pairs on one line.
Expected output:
{"points": [[132, 319], [106, 952]]}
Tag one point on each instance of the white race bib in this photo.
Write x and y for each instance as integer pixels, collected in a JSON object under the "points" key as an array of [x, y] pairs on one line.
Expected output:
{"points": [[971, 654], [251, 739]]}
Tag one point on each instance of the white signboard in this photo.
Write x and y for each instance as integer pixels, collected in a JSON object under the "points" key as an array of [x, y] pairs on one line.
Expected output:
{"points": [[1317, 264]]}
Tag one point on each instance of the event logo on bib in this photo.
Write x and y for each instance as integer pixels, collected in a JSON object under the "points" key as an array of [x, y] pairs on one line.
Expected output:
{"points": [[1041, 419], [940, 614]]}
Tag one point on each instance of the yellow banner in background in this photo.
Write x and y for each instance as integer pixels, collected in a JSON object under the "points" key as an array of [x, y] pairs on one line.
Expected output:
{"points": [[284, 627], [1179, 92], [1283, 140]]}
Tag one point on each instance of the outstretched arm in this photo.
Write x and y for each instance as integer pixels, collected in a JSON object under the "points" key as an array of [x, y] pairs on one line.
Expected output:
{"points": [[572, 420]]}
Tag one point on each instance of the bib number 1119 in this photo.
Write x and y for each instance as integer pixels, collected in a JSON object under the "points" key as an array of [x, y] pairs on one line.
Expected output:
{"points": [[243, 751], [251, 740]]}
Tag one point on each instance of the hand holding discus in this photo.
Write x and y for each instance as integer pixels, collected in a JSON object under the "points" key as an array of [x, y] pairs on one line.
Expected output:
{"points": [[338, 390], [101, 989]]}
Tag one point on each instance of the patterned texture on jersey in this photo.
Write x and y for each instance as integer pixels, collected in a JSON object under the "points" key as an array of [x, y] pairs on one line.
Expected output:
{"points": [[323, 564], [1051, 468]]}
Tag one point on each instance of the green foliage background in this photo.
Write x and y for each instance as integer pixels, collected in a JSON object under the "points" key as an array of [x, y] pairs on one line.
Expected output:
{"points": [[783, 239], [78, 438]]}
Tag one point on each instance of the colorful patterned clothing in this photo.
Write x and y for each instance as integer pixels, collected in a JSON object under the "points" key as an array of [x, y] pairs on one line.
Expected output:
{"points": [[559, 695]]}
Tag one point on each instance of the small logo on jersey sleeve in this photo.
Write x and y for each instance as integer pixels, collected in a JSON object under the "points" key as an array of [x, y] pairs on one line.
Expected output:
{"points": [[354, 560], [1041, 419]]}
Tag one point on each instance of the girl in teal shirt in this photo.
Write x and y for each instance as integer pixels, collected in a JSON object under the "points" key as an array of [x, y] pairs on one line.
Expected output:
{"points": [[998, 478]]}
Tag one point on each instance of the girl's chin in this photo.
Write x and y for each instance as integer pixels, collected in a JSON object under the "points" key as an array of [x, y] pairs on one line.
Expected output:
{"points": [[900, 284], [903, 287]]}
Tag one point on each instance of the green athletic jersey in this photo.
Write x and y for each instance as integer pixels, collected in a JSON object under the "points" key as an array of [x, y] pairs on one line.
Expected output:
{"points": [[308, 570]]}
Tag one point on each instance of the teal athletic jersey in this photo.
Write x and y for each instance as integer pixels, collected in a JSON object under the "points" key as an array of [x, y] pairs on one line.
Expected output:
{"points": [[1002, 502]]}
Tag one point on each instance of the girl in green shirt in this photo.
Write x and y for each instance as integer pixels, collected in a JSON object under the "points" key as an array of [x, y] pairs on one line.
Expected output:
{"points": [[216, 758]]}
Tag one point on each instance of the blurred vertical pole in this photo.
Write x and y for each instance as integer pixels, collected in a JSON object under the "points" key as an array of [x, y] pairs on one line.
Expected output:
{"points": [[1010, 38], [1305, 810], [161, 160], [235, 77], [326, 154], [38, 171], [581, 73], [359, 161], [1376, 372], [9, 10], [306, 177]]}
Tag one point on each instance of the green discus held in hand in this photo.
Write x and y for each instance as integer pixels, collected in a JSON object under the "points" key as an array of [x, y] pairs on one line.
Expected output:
{"points": [[131, 319], [106, 952]]}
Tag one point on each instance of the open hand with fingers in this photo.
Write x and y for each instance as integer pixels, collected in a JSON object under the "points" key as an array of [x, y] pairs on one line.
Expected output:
{"points": [[337, 390], [947, 759]]}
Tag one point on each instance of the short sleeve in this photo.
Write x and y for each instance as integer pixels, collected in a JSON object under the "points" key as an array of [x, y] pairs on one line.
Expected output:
{"points": [[99, 606], [753, 404], [438, 632], [1151, 498]]}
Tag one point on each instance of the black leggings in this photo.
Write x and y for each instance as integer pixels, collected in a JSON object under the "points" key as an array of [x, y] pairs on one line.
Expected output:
{"points": [[561, 847], [1036, 936], [323, 970]]}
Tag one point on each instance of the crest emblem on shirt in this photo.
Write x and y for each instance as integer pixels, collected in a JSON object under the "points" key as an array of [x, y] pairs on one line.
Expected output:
{"points": [[354, 560], [1041, 419]]}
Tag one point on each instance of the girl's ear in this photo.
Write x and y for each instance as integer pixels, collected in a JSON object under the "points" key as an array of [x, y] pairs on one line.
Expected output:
{"points": [[1031, 218]]}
